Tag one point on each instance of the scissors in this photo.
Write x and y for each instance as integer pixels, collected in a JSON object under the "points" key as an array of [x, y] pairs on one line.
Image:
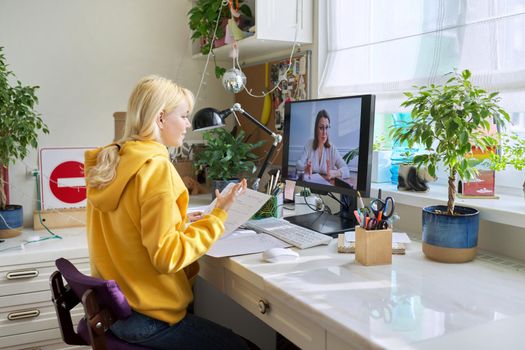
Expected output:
{"points": [[383, 209], [374, 224]]}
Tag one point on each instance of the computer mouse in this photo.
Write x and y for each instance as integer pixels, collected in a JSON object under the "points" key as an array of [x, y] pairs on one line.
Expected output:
{"points": [[279, 254]]}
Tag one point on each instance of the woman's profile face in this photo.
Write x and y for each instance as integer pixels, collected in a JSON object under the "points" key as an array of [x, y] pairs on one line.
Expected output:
{"points": [[174, 125], [322, 130]]}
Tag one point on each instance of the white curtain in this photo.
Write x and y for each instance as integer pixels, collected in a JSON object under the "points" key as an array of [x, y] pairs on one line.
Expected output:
{"points": [[387, 46]]}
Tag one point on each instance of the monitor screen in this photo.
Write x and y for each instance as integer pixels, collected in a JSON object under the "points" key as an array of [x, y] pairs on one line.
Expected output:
{"points": [[328, 144]]}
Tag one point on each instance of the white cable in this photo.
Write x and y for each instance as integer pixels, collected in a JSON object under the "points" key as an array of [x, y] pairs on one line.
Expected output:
{"points": [[289, 60], [224, 3]]}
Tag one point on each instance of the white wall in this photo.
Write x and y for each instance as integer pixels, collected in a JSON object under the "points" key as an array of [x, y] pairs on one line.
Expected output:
{"points": [[86, 56]]}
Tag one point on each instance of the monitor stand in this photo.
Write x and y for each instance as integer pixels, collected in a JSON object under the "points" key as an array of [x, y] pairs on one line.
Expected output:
{"points": [[322, 222], [330, 224]]}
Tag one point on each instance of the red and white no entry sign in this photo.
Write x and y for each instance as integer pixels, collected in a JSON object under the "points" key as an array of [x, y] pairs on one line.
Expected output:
{"points": [[67, 182], [62, 183]]}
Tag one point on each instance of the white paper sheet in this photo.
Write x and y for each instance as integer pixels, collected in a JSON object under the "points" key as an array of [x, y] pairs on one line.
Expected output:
{"points": [[397, 237], [242, 209], [247, 244], [316, 178]]}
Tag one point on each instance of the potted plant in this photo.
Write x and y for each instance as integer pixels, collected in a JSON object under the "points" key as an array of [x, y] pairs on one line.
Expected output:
{"points": [[512, 151], [448, 121], [226, 157], [19, 124], [202, 20], [381, 160]]}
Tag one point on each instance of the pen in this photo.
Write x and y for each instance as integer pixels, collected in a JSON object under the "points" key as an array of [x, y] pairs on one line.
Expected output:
{"points": [[277, 176], [360, 204], [270, 184]]}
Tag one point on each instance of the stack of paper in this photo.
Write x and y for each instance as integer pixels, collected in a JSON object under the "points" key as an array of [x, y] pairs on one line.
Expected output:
{"points": [[240, 242]]}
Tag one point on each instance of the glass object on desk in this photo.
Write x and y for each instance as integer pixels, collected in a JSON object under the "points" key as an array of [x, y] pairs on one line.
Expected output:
{"points": [[401, 153]]}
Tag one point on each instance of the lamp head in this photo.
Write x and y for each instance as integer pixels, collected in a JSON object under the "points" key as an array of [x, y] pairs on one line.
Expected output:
{"points": [[209, 118]]}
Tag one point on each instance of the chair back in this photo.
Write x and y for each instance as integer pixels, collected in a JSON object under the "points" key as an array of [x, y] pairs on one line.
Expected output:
{"points": [[103, 302]]}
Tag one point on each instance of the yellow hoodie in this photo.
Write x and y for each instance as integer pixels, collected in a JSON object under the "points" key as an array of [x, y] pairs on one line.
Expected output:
{"points": [[137, 234]]}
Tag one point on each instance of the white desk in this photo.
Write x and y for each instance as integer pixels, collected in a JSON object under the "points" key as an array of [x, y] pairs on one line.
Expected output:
{"points": [[325, 300]]}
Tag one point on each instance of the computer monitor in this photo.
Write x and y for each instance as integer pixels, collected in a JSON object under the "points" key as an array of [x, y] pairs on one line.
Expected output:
{"points": [[328, 148]]}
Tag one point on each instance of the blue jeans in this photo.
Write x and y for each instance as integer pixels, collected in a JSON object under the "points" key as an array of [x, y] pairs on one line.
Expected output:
{"points": [[192, 332]]}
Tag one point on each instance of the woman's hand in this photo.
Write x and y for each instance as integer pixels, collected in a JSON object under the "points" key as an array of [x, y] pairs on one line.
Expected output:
{"points": [[334, 173], [308, 167], [194, 216], [224, 202]]}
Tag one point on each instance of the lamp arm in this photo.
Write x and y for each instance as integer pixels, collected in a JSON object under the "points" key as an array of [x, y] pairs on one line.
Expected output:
{"points": [[237, 108], [255, 185], [276, 140]]}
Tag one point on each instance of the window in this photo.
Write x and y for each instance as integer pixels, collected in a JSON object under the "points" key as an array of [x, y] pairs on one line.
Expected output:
{"points": [[386, 47]]}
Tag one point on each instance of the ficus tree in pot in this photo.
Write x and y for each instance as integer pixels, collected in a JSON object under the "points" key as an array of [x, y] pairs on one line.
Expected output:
{"points": [[19, 126], [448, 121]]}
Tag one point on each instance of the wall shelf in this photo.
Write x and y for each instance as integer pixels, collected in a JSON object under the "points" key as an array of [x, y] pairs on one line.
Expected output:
{"points": [[275, 31]]}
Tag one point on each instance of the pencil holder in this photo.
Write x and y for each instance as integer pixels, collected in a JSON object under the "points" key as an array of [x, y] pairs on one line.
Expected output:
{"points": [[273, 207], [373, 247]]}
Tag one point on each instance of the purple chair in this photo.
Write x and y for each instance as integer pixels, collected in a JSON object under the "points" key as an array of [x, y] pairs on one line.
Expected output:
{"points": [[103, 303]]}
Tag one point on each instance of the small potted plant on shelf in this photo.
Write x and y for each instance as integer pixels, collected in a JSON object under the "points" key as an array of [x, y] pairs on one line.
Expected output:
{"points": [[448, 121], [202, 20], [512, 152], [19, 124], [226, 157]]}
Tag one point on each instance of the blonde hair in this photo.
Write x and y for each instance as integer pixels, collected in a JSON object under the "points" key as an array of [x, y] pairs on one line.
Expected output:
{"points": [[151, 96]]}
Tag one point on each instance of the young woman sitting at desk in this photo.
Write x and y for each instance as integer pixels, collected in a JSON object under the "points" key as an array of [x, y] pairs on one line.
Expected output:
{"points": [[319, 155], [137, 224]]}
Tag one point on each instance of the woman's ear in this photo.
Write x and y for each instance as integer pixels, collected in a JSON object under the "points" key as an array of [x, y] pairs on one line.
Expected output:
{"points": [[160, 120]]}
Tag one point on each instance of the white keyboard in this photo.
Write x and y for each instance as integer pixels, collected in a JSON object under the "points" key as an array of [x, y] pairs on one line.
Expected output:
{"points": [[290, 233]]}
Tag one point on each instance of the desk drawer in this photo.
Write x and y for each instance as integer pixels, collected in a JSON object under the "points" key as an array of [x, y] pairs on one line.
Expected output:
{"points": [[279, 316], [19, 279], [54, 344], [19, 319]]}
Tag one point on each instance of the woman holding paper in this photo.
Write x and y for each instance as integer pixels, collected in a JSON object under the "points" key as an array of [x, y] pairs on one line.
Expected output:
{"points": [[319, 155], [137, 224]]}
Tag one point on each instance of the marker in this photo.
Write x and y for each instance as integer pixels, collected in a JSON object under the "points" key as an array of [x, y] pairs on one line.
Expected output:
{"points": [[356, 214]]}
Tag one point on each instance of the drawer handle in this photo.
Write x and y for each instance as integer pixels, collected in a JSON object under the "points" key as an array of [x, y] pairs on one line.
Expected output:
{"points": [[264, 306], [16, 275], [19, 315]]}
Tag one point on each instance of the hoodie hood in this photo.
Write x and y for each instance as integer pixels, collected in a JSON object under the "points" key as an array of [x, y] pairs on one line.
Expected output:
{"points": [[133, 155]]}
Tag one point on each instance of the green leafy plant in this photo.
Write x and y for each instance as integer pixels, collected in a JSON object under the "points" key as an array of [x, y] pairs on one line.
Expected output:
{"points": [[226, 156], [448, 120], [379, 143], [202, 20], [351, 154], [19, 122], [512, 151]]}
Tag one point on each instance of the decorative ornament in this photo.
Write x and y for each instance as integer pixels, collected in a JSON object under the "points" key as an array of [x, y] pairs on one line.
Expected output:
{"points": [[233, 80]]}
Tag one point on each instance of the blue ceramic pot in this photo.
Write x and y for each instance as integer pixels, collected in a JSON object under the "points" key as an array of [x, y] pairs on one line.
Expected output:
{"points": [[450, 238], [11, 221]]}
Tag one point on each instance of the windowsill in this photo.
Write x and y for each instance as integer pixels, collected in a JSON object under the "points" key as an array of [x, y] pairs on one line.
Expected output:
{"points": [[507, 209]]}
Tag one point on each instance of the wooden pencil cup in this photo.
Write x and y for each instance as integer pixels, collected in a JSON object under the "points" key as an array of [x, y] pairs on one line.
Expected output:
{"points": [[373, 247]]}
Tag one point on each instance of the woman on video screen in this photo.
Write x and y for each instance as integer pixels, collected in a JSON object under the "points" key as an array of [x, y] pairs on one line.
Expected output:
{"points": [[319, 155]]}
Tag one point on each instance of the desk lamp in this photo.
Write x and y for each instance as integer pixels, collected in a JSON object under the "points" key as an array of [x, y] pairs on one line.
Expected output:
{"points": [[211, 118]]}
